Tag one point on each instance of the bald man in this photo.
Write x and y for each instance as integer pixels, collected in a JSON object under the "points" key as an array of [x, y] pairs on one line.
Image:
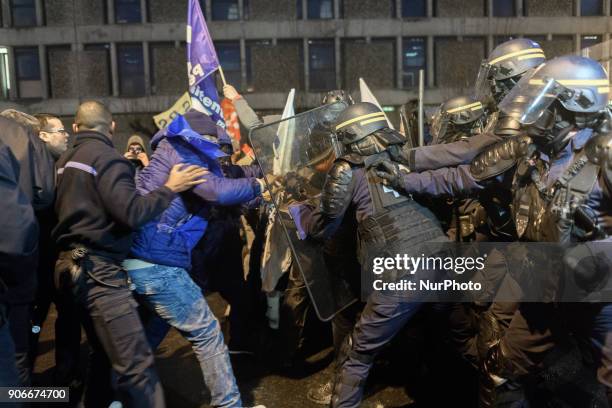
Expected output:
{"points": [[98, 208]]}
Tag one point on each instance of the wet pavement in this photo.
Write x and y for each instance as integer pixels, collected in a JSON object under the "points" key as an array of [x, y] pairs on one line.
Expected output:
{"points": [[261, 382]]}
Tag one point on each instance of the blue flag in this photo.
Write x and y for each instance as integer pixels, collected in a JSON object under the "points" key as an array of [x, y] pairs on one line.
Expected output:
{"points": [[202, 62]]}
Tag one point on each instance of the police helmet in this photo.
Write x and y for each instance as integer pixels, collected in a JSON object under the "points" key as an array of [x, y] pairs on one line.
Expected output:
{"points": [[358, 121], [506, 63], [579, 84]]}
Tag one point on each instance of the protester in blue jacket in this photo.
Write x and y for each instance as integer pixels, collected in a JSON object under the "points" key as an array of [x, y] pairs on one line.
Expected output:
{"points": [[161, 253]]}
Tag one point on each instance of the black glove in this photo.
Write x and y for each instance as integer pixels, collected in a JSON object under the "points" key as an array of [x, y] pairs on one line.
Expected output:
{"points": [[399, 155], [295, 185], [392, 174]]}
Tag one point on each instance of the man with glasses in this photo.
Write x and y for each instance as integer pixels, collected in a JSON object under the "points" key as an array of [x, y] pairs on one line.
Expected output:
{"points": [[53, 134], [54, 138]]}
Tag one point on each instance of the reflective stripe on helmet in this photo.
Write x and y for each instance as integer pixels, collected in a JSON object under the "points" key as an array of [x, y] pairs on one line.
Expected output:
{"points": [[358, 118], [472, 106], [365, 122], [517, 53], [530, 56]]}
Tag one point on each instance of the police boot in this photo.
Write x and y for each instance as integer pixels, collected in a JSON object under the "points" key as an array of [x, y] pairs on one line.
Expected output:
{"points": [[489, 352], [322, 394], [348, 384]]}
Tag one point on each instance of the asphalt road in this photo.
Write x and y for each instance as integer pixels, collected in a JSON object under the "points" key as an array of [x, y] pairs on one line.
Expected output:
{"points": [[259, 381]]}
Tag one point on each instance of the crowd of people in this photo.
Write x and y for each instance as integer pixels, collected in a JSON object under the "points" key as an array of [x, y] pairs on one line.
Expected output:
{"points": [[126, 246]]}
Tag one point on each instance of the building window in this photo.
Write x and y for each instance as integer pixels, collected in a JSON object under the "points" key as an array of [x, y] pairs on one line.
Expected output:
{"points": [[27, 70], [229, 58], [23, 13], [504, 8], [322, 65], [414, 58], [316, 9], [591, 7], [499, 39], [588, 41], [5, 78], [127, 11], [95, 79], [131, 70], [225, 10], [414, 8]]}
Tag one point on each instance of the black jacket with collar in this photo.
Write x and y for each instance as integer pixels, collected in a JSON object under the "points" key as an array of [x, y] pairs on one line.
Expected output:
{"points": [[97, 204]]}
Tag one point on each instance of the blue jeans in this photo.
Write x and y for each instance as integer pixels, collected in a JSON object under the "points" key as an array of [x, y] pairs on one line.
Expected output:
{"points": [[172, 295]]}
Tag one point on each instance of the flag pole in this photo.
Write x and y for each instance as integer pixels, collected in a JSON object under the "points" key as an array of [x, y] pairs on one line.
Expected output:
{"points": [[222, 75]]}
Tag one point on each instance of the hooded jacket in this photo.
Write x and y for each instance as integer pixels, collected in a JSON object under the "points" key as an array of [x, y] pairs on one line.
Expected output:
{"points": [[169, 238]]}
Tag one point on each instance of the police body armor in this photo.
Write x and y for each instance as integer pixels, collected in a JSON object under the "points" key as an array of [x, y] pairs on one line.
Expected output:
{"points": [[397, 225], [558, 212]]}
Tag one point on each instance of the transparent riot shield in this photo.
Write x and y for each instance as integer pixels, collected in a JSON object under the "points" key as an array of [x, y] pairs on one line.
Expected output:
{"points": [[292, 154]]}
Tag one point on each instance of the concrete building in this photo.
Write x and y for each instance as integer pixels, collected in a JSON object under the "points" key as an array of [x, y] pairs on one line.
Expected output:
{"points": [[131, 53]]}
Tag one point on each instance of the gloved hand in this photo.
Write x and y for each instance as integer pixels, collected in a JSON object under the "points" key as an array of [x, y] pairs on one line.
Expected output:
{"points": [[399, 155], [392, 174]]}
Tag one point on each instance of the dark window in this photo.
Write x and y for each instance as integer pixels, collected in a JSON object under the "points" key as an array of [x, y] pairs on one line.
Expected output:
{"points": [[27, 64], [27, 71], [414, 8], [97, 82], [499, 39], [225, 10], [591, 7], [23, 13], [587, 41], [320, 9], [127, 11], [504, 8], [414, 58], [229, 58], [322, 68], [131, 69]]}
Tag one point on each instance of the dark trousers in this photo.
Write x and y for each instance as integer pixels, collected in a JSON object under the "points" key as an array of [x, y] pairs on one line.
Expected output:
{"points": [[217, 266], [20, 328], [384, 315], [67, 323], [117, 340], [293, 312]]}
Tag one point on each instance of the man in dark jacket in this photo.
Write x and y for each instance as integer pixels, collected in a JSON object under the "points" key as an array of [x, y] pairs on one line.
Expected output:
{"points": [[54, 138], [98, 207], [18, 244], [36, 181]]}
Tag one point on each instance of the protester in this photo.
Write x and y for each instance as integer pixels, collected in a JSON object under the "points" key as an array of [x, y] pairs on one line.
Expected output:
{"points": [[98, 207], [136, 153], [67, 326], [36, 180], [18, 246], [161, 253]]}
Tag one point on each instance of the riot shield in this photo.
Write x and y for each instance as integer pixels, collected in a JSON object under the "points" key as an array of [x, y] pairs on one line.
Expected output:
{"points": [[289, 153]]}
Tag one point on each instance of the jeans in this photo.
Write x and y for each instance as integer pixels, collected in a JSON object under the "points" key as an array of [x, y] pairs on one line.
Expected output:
{"points": [[173, 295]]}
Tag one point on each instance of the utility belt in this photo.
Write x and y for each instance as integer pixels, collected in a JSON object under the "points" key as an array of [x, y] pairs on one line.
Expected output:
{"points": [[74, 266]]}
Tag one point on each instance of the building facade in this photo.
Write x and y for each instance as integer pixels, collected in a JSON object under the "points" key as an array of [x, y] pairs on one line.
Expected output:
{"points": [[131, 53]]}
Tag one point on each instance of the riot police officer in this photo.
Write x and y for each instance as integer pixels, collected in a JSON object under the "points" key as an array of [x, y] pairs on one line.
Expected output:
{"points": [[388, 224], [560, 192], [457, 119]]}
